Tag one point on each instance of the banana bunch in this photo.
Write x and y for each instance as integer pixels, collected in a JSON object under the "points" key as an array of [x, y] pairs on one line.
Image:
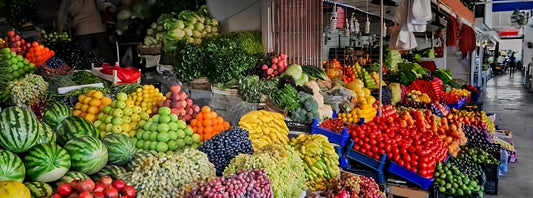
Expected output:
{"points": [[265, 128], [321, 162], [486, 119], [504, 144]]}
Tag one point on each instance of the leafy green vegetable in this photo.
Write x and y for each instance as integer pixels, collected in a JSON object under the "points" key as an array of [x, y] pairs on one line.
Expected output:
{"points": [[251, 88], [409, 72], [286, 98], [392, 58], [87, 77], [188, 61], [308, 109], [443, 75], [374, 67]]}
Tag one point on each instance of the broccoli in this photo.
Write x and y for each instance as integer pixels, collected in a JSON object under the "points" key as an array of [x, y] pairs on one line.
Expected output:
{"points": [[308, 110]]}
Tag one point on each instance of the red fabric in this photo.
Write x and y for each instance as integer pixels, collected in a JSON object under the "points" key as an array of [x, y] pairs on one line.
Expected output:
{"points": [[451, 32], [126, 75], [429, 65], [467, 40]]}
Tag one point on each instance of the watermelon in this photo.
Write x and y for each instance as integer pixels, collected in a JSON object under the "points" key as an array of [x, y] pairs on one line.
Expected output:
{"points": [[88, 154], [19, 129], [120, 148], [39, 189], [112, 170], [73, 127], [46, 134], [55, 113], [11, 167], [46, 162], [71, 176]]}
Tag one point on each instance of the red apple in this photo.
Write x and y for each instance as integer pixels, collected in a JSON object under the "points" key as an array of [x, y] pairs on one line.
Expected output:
{"points": [[175, 88]]}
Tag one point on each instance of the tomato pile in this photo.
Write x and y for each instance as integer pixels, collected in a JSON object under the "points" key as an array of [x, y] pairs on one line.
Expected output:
{"points": [[105, 188], [406, 141]]}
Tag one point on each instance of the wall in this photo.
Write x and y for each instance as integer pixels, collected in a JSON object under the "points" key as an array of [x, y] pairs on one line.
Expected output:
{"points": [[511, 44], [528, 52], [457, 65], [248, 20]]}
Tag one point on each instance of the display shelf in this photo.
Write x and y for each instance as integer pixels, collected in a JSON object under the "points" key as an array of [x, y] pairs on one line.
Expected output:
{"points": [[333, 137], [409, 175], [437, 194], [458, 104], [491, 178], [378, 165]]}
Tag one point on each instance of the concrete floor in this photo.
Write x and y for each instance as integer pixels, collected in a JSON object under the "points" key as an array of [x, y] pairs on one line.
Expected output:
{"points": [[513, 106]]}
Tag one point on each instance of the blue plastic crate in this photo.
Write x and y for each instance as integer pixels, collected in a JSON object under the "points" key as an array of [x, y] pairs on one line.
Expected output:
{"points": [[458, 104], [333, 137], [378, 176], [343, 162], [409, 175], [372, 163], [340, 151]]}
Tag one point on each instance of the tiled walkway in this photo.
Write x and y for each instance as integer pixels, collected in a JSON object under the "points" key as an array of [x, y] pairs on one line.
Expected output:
{"points": [[513, 106]]}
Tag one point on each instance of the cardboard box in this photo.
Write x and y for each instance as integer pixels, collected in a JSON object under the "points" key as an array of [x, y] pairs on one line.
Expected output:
{"points": [[397, 191]]}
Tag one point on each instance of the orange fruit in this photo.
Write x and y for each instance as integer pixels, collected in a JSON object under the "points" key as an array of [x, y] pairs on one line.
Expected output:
{"points": [[226, 125], [87, 100], [207, 123], [106, 100], [193, 123], [76, 112], [78, 105], [194, 129], [220, 120], [201, 130], [83, 114], [208, 130], [206, 109], [81, 97], [214, 114], [200, 117], [84, 108], [90, 93], [95, 102], [98, 94], [93, 110], [91, 117]]}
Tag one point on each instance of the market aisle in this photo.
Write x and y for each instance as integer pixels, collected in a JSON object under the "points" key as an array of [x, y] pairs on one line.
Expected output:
{"points": [[513, 106]]}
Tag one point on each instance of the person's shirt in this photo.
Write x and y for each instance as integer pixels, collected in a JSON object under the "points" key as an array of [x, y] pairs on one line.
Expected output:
{"points": [[512, 59], [85, 16], [501, 59]]}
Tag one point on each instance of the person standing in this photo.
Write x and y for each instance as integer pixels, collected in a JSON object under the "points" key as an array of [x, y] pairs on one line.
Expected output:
{"points": [[86, 22], [512, 64]]}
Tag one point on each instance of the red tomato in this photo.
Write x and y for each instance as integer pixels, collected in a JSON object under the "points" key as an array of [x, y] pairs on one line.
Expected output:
{"points": [[110, 192], [118, 184], [129, 191]]}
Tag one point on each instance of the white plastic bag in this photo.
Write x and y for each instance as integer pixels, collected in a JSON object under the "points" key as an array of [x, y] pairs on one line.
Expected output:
{"points": [[419, 14]]}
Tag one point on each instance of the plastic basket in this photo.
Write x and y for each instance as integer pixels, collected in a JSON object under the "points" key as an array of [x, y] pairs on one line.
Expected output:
{"points": [[458, 104], [437, 194], [333, 137], [491, 178], [359, 169], [343, 162], [372, 163], [409, 175]]}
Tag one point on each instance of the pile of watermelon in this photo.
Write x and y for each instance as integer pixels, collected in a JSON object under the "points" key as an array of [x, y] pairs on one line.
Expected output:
{"points": [[61, 149]]}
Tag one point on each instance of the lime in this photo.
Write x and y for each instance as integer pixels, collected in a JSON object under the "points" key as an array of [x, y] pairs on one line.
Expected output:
{"points": [[451, 191], [442, 189], [448, 186], [163, 137], [460, 192], [153, 136], [172, 135], [121, 104], [468, 192], [164, 118], [161, 147], [108, 119]]}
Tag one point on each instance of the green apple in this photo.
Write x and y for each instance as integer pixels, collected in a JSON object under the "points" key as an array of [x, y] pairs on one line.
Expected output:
{"points": [[153, 145], [108, 109], [121, 104], [147, 126], [162, 127], [164, 119], [153, 136], [153, 127], [163, 111], [114, 104], [147, 144], [100, 116], [172, 145], [188, 131], [161, 147], [146, 135], [139, 133], [181, 124], [118, 113], [109, 127], [163, 137], [97, 123], [180, 143], [126, 119], [117, 121], [108, 119], [136, 109], [195, 138], [122, 96], [117, 129], [102, 127], [173, 126], [128, 111], [142, 123], [172, 135], [155, 118], [173, 117], [181, 134], [144, 116], [140, 144], [188, 140], [135, 117]]}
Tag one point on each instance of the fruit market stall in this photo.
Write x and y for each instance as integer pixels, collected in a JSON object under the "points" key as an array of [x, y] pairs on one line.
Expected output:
{"points": [[154, 140]]}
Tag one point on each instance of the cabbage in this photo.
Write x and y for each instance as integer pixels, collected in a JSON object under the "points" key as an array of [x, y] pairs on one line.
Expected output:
{"points": [[199, 26], [123, 15], [176, 34], [293, 70], [196, 34]]}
